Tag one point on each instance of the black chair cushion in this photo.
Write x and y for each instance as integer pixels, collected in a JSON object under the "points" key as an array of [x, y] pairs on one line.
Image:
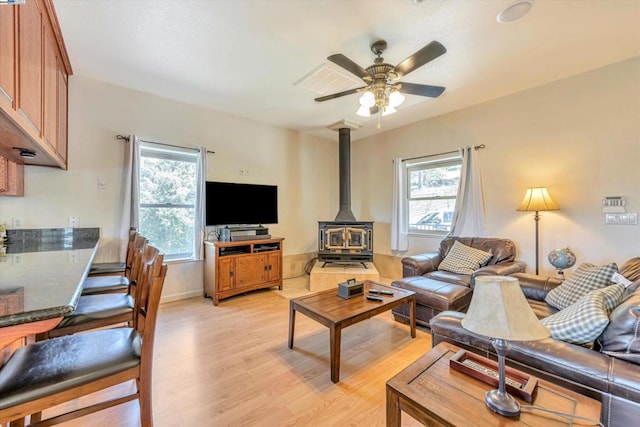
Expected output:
{"points": [[94, 307], [99, 284], [107, 268], [46, 367]]}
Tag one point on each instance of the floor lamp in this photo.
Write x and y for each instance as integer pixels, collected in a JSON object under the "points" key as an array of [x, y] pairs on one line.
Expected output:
{"points": [[537, 199]]}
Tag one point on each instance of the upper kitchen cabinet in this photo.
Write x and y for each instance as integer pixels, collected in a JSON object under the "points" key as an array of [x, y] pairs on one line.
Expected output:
{"points": [[34, 74], [8, 56]]}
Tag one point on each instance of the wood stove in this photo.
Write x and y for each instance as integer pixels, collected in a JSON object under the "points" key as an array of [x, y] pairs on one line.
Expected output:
{"points": [[345, 240]]}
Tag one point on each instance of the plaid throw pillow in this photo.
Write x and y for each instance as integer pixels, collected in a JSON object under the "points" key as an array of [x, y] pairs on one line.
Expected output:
{"points": [[586, 278], [463, 259], [584, 321]]}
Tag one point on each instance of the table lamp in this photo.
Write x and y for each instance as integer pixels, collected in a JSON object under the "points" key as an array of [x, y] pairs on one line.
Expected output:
{"points": [[499, 310], [537, 199]]}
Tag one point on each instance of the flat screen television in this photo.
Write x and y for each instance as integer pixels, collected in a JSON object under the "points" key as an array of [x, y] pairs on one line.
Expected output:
{"points": [[232, 203]]}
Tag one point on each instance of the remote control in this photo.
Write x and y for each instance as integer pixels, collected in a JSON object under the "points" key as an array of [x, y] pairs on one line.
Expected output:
{"points": [[380, 291], [375, 298]]}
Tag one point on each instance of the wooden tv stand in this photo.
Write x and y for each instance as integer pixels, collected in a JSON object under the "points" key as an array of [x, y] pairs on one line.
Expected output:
{"points": [[232, 268]]}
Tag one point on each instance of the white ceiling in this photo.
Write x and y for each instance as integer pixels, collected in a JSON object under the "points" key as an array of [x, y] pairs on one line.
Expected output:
{"points": [[243, 57]]}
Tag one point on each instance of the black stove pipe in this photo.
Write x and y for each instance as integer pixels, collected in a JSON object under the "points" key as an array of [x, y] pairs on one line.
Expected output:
{"points": [[344, 153]]}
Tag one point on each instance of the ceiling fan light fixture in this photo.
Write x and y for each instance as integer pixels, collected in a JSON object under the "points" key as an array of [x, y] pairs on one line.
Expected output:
{"points": [[367, 99], [395, 99], [363, 111], [514, 11]]}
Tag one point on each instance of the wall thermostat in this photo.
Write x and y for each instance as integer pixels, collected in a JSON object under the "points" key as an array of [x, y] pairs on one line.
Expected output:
{"points": [[614, 204]]}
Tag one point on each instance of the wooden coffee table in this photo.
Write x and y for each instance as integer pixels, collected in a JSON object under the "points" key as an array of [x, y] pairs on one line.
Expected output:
{"points": [[434, 394], [336, 313]]}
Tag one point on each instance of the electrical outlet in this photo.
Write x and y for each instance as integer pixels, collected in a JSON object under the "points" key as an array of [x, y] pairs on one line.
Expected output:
{"points": [[73, 221], [17, 258], [16, 222], [73, 256]]}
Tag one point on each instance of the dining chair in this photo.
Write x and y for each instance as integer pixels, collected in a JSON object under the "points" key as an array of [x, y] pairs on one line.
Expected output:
{"points": [[48, 373], [115, 283], [106, 310], [115, 267]]}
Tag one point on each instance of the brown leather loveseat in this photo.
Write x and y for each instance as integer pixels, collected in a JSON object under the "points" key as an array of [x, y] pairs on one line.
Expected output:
{"points": [[608, 371], [438, 290]]}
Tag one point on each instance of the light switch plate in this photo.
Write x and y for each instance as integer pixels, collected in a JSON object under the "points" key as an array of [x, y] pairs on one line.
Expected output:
{"points": [[621, 218]]}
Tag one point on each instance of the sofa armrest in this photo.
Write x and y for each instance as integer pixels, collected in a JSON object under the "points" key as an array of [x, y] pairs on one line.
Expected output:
{"points": [[536, 287], [502, 269], [560, 358], [417, 265]]}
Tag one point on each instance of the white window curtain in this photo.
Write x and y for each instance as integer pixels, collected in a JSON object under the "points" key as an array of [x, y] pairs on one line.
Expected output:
{"points": [[469, 213], [130, 191], [399, 226], [200, 224]]}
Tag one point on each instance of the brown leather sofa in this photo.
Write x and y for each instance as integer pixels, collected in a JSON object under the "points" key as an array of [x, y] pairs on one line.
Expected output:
{"points": [[437, 290], [612, 377]]}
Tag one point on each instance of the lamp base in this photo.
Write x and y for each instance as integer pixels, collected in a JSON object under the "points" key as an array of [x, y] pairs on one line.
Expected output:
{"points": [[502, 403]]}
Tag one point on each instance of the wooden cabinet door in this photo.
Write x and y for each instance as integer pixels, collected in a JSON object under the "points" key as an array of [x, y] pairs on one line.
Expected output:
{"points": [[11, 178], [7, 55], [251, 270], [63, 105], [225, 274], [275, 268], [50, 99], [30, 63]]}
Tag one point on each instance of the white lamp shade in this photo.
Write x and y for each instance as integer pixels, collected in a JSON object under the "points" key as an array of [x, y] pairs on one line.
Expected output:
{"points": [[395, 99], [363, 111], [500, 310], [367, 99]]}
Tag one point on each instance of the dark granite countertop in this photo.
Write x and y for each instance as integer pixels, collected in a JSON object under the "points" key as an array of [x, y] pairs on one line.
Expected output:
{"points": [[42, 272]]}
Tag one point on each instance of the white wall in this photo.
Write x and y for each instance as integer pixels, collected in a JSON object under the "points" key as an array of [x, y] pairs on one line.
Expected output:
{"points": [[578, 137], [304, 168]]}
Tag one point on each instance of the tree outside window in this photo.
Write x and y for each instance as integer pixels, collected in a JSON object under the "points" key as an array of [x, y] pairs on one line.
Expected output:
{"points": [[168, 200]]}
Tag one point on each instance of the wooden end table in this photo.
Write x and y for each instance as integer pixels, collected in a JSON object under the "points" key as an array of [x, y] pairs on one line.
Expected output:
{"points": [[336, 313], [435, 394]]}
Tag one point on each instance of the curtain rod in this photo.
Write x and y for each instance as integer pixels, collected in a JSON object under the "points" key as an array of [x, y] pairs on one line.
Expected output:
{"points": [[126, 138], [477, 147]]}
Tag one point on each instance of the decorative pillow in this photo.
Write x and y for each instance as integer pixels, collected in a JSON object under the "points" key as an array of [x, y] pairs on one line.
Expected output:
{"points": [[463, 259], [583, 321], [621, 338], [586, 278]]}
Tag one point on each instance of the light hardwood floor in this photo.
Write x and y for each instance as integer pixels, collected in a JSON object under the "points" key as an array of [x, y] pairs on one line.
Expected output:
{"points": [[230, 366]]}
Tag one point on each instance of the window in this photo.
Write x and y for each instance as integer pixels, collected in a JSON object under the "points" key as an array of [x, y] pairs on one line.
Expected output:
{"points": [[167, 205], [431, 194]]}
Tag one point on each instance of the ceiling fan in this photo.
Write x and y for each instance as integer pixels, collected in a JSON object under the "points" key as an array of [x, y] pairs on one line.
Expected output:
{"points": [[382, 92]]}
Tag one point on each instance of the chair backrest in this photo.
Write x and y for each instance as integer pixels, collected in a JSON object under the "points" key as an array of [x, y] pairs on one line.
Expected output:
{"points": [[149, 266], [133, 256], [136, 242], [147, 302], [503, 250]]}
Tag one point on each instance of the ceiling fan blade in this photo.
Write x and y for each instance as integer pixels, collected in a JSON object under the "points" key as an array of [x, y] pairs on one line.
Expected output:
{"points": [[421, 57], [339, 94], [422, 90], [349, 65]]}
